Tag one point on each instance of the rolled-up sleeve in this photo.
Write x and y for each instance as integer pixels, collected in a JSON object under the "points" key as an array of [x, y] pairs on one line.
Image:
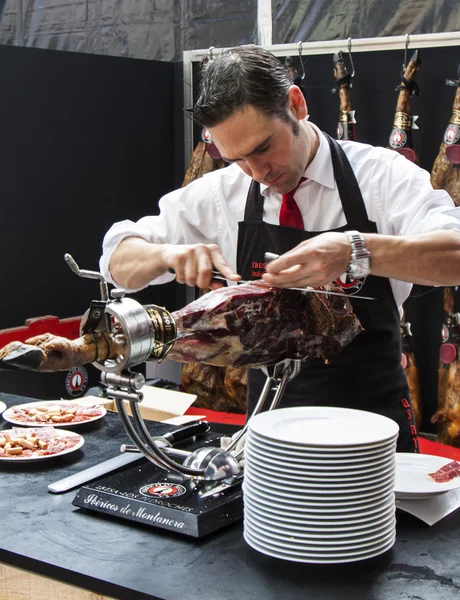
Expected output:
{"points": [[410, 204], [187, 216]]}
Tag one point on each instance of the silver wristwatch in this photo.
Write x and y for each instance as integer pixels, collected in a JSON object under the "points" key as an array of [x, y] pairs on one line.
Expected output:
{"points": [[360, 259]]}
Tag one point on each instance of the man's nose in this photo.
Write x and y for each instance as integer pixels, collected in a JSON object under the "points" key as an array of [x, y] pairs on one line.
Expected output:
{"points": [[259, 168]]}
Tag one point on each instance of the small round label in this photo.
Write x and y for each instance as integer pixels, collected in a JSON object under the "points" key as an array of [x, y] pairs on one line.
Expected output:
{"points": [[206, 136], [162, 489], [452, 134], [76, 381], [398, 138], [444, 334], [339, 131]]}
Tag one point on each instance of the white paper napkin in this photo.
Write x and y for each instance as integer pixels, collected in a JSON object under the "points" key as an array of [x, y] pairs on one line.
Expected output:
{"points": [[431, 510]]}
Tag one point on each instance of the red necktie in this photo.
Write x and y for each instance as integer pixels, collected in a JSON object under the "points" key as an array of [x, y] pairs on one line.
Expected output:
{"points": [[290, 215]]}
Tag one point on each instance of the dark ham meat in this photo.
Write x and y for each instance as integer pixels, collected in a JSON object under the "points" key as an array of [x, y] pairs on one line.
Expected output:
{"points": [[248, 325], [254, 325]]}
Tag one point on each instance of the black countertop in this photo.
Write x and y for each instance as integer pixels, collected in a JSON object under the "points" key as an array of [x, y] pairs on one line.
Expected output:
{"points": [[45, 534]]}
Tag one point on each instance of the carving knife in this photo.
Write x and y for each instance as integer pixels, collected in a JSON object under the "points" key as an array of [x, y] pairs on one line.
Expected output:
{"points": [[218, 276], [108, 466]]}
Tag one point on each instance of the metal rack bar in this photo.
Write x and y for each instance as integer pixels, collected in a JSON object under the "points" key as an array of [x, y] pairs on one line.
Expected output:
{"points": [[398, 42]]}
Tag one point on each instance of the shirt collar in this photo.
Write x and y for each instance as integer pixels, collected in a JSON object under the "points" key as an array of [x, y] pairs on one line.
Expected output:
{"points": [[320, 169]]}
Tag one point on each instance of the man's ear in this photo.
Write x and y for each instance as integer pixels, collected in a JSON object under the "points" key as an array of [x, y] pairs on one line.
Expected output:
{"points": [[297, 102]]}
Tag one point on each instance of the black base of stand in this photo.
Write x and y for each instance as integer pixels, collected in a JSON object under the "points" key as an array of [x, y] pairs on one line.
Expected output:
{"points": [[155, 497]]}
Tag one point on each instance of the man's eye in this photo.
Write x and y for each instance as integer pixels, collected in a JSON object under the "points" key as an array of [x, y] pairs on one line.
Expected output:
{"points": [[264, 149]]}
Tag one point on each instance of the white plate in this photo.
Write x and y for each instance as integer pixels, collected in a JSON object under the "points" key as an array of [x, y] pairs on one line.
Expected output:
{"points": [[59, 433], [319, 542], [321, 526], [293, 466], [339, 453], [314, 558], [347, 515], [325, 451], [412, 474], [324, 551], [2, 407], [312, 487], [9, 415], [302, 483], [323, 426], [317, 536], [316, 501], [305, 476]]}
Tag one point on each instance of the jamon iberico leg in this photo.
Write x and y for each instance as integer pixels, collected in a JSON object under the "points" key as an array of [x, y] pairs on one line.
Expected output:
{"points": [[249, 325], [50, 352]]}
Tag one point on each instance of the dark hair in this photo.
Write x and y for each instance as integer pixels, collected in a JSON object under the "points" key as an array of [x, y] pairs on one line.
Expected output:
{"points": [[243, 76]]}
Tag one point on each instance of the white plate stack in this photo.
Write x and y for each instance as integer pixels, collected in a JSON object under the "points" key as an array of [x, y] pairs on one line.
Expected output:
{"points": [[318, 484]]}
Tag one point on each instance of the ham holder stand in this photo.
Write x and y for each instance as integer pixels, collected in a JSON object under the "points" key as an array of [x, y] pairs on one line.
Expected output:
{"points": [[191, 492]]}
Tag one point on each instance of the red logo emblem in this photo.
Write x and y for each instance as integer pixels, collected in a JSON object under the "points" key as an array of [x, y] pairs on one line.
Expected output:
{"points": [[76, 381], [452, 134], [398, 138], [163, 490], [351, 284]]}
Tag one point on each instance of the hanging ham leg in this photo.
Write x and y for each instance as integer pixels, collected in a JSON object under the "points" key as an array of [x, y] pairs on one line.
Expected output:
{"points": [[446, 169], [249, 325], [447, 416], [403, 123]]}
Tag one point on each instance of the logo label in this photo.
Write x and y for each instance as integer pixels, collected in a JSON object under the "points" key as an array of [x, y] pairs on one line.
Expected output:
{"points": [[445, 334], [350, 284], [339, 131], [206, 136], [76, 381], [163, 489], [398, 138], [452, 134]]}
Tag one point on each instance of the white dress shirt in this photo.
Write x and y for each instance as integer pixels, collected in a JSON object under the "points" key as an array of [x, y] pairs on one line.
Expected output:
{"points": [[397, 194]]}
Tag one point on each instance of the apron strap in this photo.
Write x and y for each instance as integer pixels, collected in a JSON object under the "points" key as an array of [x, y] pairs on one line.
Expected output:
{"points": [[254, 210], [350, 194]]}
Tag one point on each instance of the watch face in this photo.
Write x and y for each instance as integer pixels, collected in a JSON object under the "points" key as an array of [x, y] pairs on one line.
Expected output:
{"points": [[359, 267]]}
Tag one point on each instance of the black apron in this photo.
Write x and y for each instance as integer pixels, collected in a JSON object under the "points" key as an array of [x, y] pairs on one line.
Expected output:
{"points": [[367, 375]]}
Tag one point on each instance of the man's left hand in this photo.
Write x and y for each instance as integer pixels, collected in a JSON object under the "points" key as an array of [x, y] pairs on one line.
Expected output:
{"points": [[314, 262]]}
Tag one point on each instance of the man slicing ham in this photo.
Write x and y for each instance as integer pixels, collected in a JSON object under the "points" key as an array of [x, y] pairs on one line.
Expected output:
{"points": [[357, 209]]}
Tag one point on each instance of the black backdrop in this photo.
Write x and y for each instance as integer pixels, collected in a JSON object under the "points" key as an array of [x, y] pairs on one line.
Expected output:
{"points": [[86, 141]]}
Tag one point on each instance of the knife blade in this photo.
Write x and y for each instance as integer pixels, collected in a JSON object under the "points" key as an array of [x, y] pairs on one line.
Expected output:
{"points": [[103, 468], [220, 277]]}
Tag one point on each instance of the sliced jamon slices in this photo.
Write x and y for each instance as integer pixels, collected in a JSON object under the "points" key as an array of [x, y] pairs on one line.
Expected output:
{"points": [[447, 472]]}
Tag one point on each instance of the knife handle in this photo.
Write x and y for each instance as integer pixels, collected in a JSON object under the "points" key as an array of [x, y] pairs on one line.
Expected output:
{"points": [[186, 432], [269, 257]]}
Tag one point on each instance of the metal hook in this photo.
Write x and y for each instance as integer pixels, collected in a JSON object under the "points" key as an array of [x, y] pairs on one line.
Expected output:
{"points": [[302, 77], [405, 50], [210, 52], [351, 59]]}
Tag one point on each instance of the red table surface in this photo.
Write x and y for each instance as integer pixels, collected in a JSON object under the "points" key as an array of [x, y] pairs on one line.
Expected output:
{"points": [[426, 446]]}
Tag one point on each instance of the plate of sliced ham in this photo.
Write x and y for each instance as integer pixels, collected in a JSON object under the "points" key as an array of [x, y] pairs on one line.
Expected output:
{"points": [[26, 444], [57, 413], [425, 475]]}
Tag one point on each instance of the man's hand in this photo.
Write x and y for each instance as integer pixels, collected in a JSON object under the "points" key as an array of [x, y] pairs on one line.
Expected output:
{"points": [[194, 263], [315, 262]]}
